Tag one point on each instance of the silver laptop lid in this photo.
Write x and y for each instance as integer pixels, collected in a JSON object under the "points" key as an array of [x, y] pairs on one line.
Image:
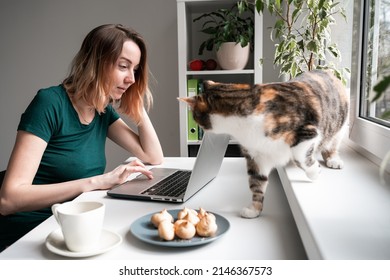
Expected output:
{"points": [[208, 161]]}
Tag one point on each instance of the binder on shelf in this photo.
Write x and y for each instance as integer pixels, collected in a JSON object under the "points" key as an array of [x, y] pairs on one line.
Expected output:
{"points": [[192, 90], [200, 90]]}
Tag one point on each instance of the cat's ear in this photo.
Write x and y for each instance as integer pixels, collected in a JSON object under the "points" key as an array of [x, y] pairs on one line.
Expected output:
{"points": [[189, 100], [207, 84]]}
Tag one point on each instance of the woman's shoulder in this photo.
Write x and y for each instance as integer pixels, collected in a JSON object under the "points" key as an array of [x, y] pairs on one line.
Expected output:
{"points": [[52, 95], [58, 90]]}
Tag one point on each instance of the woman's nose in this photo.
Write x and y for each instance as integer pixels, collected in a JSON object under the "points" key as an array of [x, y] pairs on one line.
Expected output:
{"points": [[130, 78]]}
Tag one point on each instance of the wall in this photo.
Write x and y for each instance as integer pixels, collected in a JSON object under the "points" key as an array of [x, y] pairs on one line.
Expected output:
{"points": [[39, 39]]}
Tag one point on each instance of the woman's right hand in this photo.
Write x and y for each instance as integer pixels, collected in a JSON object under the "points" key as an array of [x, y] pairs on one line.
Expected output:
{"points": [[120, 174]]}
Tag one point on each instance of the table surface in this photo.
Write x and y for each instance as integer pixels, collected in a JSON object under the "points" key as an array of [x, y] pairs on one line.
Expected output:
{"points": [[272, 236]]}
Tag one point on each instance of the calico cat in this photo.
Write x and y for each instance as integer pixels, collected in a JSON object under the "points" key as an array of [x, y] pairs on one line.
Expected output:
{"points": [[277, 122]]}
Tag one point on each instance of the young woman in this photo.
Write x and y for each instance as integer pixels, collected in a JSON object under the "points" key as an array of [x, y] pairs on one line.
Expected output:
{"points": [[59, 150]]}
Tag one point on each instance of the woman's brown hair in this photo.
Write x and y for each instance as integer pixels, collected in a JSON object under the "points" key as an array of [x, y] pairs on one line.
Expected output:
{"points": [[90, 71]]}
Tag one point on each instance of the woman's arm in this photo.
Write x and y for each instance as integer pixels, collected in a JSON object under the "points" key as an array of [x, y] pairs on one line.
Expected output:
{"points": [[144, 146], [18, 194]]}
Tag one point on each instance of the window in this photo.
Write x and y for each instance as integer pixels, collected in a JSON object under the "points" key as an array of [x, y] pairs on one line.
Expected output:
{"points": [[370, 61]]}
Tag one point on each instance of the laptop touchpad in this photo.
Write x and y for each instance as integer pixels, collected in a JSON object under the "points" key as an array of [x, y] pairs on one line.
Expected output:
{"points": [[158, 174]]}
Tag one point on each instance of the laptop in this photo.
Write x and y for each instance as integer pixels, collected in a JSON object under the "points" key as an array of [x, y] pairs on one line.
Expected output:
{"points": [[182, 183]]}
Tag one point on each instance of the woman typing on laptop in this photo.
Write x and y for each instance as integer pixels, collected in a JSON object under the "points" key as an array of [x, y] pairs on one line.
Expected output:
{"points": [[59, 151]]}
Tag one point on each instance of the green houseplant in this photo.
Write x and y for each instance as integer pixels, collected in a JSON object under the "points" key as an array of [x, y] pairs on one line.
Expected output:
{"points": [[234, 25], [302, 34]]}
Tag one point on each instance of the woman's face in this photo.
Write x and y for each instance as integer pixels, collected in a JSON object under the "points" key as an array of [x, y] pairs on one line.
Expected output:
{"points": [[123, 75]]}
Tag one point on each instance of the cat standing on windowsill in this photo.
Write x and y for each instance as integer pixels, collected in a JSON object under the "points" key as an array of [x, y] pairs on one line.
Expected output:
{"points": [[277, 122]]}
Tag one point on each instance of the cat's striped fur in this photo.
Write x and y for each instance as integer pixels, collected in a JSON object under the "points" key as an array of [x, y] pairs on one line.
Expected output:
{"points": [[277, 122]]}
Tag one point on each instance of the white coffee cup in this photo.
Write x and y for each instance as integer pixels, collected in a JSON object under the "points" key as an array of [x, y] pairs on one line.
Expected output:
{"points": [[81, 223]]}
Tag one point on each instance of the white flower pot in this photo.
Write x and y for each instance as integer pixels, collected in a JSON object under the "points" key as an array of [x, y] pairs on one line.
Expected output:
{"points": [[232, 56]]}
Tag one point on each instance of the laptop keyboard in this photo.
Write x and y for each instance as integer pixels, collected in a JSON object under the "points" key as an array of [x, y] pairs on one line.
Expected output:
{"points": [[174, 185]]}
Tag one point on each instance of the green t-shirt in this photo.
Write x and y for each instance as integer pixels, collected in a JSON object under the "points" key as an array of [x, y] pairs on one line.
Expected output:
{"points": [[74, 151]]}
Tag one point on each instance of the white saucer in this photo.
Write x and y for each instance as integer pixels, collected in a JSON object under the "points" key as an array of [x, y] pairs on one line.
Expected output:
{"points": [[56, 244]]}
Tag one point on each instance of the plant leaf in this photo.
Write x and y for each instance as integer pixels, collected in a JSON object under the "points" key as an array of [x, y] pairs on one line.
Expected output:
{"points": [[312, 46], [381, 87], [259, 6], [386, 115]]}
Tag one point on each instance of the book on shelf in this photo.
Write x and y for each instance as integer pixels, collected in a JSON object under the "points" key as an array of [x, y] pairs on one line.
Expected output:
{"points": [[194, 87]]}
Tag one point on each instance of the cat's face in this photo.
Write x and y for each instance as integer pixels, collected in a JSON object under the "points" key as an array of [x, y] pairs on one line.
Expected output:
{"points": [[220, 99], [200, 110]]}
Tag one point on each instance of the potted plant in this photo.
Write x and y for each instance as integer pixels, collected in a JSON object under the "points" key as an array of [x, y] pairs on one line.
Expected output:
{"points": [[231, 34], [302, 35]]}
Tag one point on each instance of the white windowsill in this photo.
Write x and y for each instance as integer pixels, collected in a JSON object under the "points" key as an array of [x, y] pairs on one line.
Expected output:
{"points": [[345, 214]]}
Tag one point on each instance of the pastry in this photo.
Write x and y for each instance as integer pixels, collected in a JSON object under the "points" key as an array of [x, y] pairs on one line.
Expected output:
{"points": [[185, 230], [166, 230], [157, 218], [201, 213], [182, 213], [192, 218], [178, 222], [207, 226]]}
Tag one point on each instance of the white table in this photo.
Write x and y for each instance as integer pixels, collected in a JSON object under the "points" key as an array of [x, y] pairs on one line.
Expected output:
{"points": [[273, 236]]}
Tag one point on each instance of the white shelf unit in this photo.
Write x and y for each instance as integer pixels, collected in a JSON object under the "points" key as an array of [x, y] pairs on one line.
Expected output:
{"points": [[189, 40]]}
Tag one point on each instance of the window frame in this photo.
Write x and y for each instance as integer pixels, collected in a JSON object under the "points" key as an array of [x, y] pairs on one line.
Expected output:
{"points": [[372, 136]]}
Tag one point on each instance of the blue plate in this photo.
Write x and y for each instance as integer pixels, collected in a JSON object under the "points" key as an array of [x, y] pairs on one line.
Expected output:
{"points": [[144, 230]]}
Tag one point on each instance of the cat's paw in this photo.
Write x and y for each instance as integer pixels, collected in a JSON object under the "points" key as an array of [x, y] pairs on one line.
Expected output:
{"points": [[335, 163], [313, 172], [250, 212]]}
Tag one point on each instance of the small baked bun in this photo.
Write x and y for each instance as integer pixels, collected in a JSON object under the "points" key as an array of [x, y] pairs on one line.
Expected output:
{"points": [[185, 230], [201, 213], [192, 218], [207, 226], [183, 212], [157, 218], [177, 223], [166, 230]]}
